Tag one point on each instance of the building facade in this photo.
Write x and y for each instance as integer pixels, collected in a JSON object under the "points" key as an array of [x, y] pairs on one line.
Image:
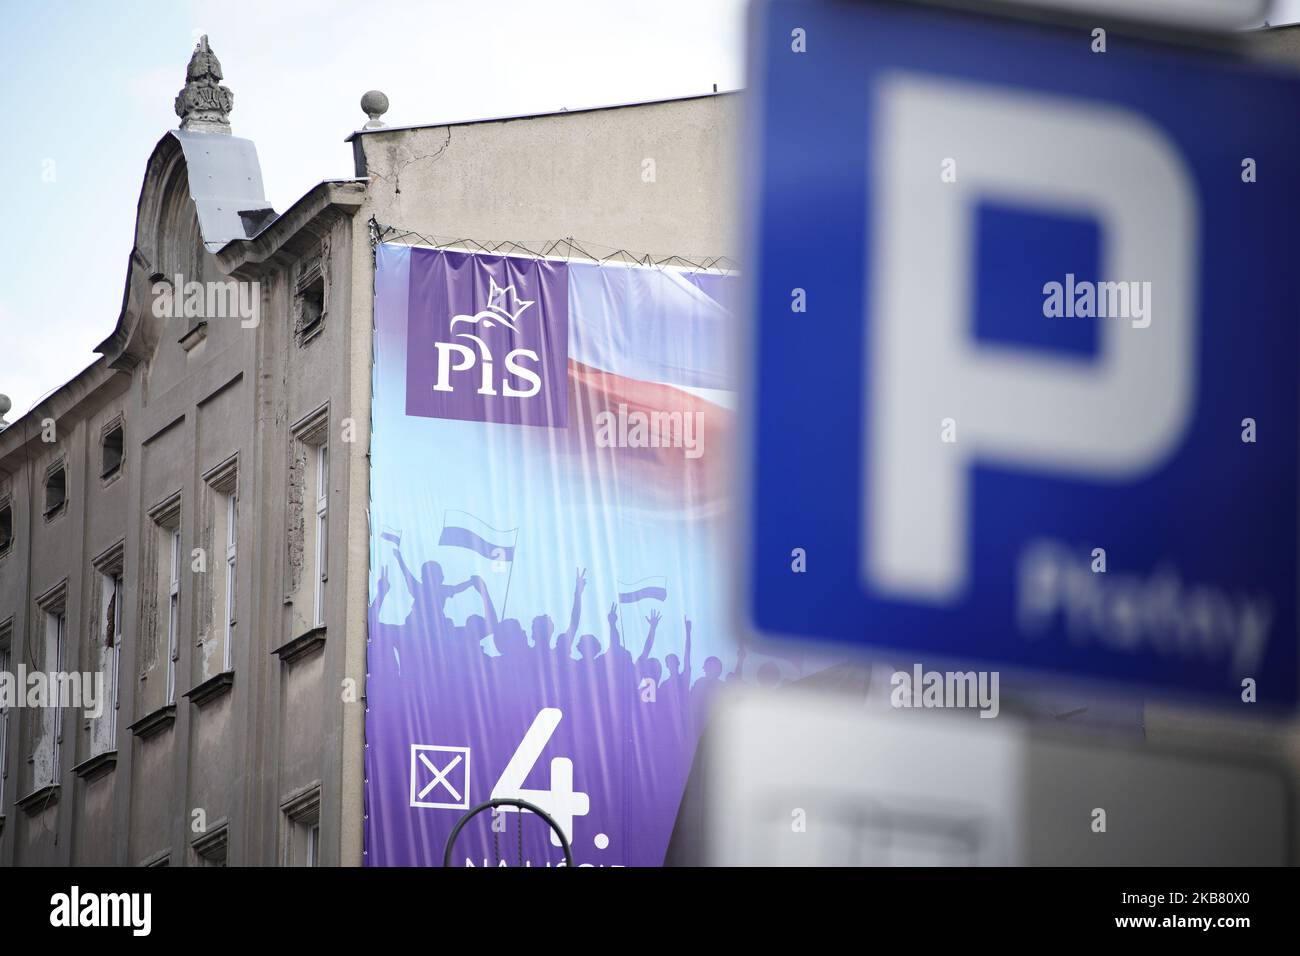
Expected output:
{"points": [[183, 526]]}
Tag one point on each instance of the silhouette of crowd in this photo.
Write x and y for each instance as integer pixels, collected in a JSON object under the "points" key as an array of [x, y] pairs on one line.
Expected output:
{"points": [[639, 714], [542, 652]]}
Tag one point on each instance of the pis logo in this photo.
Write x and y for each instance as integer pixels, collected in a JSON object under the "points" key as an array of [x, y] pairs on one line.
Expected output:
{"points": [[520, 379], [487, 338]]}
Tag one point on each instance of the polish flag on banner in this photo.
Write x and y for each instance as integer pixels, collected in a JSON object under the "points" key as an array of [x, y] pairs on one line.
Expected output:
{"points": [[647, 589], [462, 530], [687, 463]]}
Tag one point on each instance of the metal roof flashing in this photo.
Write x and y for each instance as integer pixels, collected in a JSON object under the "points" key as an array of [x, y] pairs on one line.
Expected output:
{"points": [[225, 184]]}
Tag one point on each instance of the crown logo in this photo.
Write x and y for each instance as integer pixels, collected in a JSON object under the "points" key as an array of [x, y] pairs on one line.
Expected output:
{"points": [[499, 300], [503, 307]]}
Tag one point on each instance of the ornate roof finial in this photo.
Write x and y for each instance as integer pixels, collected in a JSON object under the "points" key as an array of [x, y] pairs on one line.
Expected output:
{"points": [[374, 104], [203, 104]]}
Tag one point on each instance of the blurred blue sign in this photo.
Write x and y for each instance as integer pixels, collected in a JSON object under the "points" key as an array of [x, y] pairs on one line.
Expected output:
{"points": [[1023, 375]]}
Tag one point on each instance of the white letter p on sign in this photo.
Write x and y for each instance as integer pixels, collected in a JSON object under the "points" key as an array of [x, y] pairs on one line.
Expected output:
{"points": [[1112, 419]]}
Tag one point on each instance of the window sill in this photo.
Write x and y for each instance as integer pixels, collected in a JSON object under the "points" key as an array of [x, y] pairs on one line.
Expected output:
{"points": [[301, 645], [38, 800], [211, 689], [309, 333], [194, 336], [161, 858], [96, 766], [154, 723]]}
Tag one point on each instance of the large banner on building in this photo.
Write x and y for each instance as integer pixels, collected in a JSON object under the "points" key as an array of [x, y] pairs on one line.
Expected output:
{"points": [[547, 620]]}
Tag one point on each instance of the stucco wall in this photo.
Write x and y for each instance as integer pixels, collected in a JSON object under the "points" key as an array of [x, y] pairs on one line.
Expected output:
{"points": [[656, 178]]}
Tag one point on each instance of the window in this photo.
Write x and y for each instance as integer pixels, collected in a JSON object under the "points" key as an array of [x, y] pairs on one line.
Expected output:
{"points": [[56, 490], [6, 526], [307, 564], [112, 452], [113, 642], [302, 846], [6, 667], [211, 848], [219, 598], [322, 531], [232, 524], [57, 636], [162, 630], [173, 610], [105, 654], [309, 301], [45, 749]]}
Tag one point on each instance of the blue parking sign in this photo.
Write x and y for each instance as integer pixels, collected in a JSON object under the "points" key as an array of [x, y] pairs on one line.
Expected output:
{"points": [[1022, 378]]}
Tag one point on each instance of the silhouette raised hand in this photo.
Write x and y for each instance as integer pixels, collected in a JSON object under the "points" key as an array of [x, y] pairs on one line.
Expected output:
{"points": [[653, 620], [612, 617], [564, 640]]}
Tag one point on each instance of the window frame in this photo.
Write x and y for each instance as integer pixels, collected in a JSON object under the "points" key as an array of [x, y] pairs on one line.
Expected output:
{"points": [[50, 512], [307, 568], [6, 665], [212, 847], [232, 551], [161, 586], [301, 831], [221, 508], [107, 474], [52, 618], [112, 593], [321, 533], [173, 609], [60, 621], [7, 504], [310, 300]]}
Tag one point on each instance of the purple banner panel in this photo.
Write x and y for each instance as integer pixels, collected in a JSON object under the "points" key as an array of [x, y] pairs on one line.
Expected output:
{"points": [[488, 338]]}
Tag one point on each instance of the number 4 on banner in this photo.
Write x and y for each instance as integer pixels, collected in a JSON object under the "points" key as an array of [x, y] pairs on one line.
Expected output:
{"points": [[560, 801]]}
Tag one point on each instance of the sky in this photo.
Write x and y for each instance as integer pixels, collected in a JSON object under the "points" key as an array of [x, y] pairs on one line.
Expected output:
{"points": [[87, 90]]}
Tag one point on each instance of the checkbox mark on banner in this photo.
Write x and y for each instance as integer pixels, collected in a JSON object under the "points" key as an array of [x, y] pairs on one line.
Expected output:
{"points": [[439, 777]]}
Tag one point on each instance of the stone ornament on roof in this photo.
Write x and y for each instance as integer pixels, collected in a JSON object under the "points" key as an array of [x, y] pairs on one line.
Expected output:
{"points": [[374, 104], [203, 104]]}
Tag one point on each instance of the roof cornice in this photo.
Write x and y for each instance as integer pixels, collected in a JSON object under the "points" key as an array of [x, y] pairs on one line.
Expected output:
{"points": [[294, 230], [552, 114], [59, 405]]}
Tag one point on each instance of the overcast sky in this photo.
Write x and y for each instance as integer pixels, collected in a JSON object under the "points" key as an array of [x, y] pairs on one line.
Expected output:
{"points": [[86, 92]]}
